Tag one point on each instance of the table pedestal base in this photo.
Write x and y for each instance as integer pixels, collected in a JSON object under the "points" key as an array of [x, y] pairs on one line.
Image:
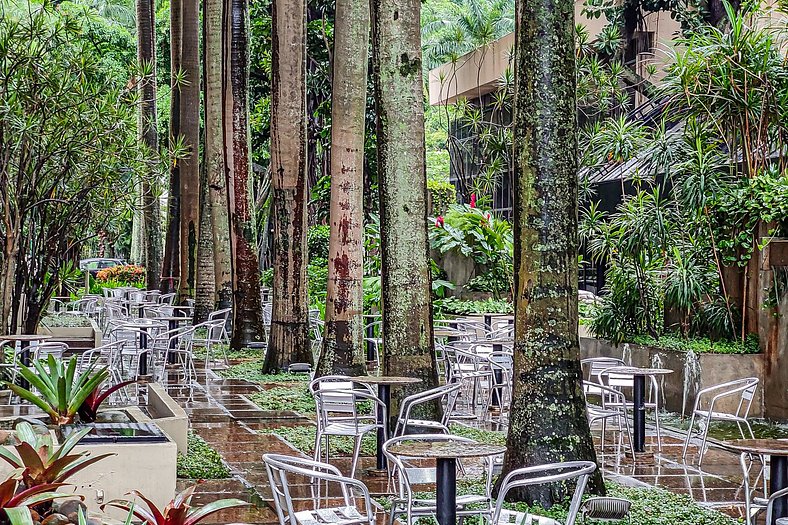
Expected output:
{"points": [[778, 474], [639, 416], [446, 486], [384, 391]]}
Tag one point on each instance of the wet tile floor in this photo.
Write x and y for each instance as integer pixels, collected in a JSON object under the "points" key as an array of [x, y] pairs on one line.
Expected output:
{"points": [[221, 414]]}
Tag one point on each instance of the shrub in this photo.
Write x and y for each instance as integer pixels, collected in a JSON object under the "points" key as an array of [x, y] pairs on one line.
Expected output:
{"points": [[442, 194], [317, 242], [127, 273], [455, 306]]}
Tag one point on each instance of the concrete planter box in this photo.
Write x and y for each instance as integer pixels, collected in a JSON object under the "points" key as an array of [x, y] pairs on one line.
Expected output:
{"points": [[67, 333], [166, 413], [148, 467], [687, 378]]}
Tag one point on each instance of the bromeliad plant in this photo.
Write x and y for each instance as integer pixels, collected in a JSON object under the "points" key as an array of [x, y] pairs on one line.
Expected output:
{"points": [[177, 512], [15, 500], [63, 392], [41, 463]]}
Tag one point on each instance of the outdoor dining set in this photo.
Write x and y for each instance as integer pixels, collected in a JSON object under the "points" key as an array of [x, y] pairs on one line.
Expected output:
{"points": [[475, 361]]}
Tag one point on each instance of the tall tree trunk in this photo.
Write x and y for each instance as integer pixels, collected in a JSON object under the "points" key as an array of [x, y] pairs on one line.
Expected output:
{"points": [[343, 345], [148, 134], [247, 311], [190, 131], [216, 177], [548, 415], [171, 264], [205, 286], [407, 307], [290, 314]]}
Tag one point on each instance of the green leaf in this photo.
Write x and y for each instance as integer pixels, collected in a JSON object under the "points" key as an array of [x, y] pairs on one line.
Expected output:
{"points": [[19, 515]]}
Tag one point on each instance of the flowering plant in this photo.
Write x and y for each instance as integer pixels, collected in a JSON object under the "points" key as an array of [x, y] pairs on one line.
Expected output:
{"points": [[129, 273]]}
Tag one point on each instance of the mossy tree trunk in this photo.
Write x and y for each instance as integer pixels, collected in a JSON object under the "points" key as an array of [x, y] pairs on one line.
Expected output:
{"points": [[216, 177], [343, 345], [189, 175], [247, 310], [171, 264], [289, 340], [548, 415], [205, 286], [408, 347], [148, 134]]}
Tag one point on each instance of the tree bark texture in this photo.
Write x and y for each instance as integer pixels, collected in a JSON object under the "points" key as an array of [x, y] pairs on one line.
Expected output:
{"points": [[407, 307], [343, 345], [289, 341], [213, 152], [548, 415], [171, 264], [205, 286], [247, 311], [189, 176], [148, 134]]}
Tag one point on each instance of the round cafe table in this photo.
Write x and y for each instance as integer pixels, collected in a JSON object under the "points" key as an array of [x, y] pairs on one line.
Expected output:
{"points": [[639, 398], [384, 384], [24, 344], [452, 336], [143, 324], [777, 450], [445, 454]]}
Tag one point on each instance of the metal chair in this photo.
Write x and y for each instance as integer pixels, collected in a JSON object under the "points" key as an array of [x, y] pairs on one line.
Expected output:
{"points": [[594, 367], [502, 367], [54, 348], [213, 330], [612, 406], [410, 472], [286, 471], [743, 388], [340, 412], [540, 475], [446, 394]]}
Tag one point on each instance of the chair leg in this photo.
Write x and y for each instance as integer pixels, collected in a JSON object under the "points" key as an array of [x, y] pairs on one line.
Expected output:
{"points": [[689, 436], [702, 448], [659, 433], [356, 454], [749, 427]]}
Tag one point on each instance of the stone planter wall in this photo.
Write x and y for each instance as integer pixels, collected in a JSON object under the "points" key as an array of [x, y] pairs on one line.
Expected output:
{"points": [[714, 369]]}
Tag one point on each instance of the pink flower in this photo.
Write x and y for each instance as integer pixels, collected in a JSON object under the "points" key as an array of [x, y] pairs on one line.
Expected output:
{"points": [[439, 222], [473, 200]]}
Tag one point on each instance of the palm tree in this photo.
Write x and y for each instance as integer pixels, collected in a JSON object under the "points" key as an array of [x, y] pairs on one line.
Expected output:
{"points": [[343, 344], [452, 29], [146, 57], [247, 311], [189, 176], [218, 202], [407, 305], [171, 267], [289, 340], [548, 414]]}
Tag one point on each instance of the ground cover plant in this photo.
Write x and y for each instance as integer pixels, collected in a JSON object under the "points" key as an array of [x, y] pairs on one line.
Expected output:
{"points": [[201, 461], [252, 371], [302, 437]]}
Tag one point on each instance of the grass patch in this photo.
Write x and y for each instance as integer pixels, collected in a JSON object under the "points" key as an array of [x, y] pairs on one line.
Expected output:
{"points": [[216, 350], [294, 397], [700, 345], [488, 437], [201, 461], [303, 438], [650, 506], [252, 371]]}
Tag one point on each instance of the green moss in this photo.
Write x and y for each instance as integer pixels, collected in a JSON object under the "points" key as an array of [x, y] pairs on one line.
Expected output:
{"points": [[303, 439], [700, 345], [295, 397], [252, 371], [201, 461], [455, 306]]}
